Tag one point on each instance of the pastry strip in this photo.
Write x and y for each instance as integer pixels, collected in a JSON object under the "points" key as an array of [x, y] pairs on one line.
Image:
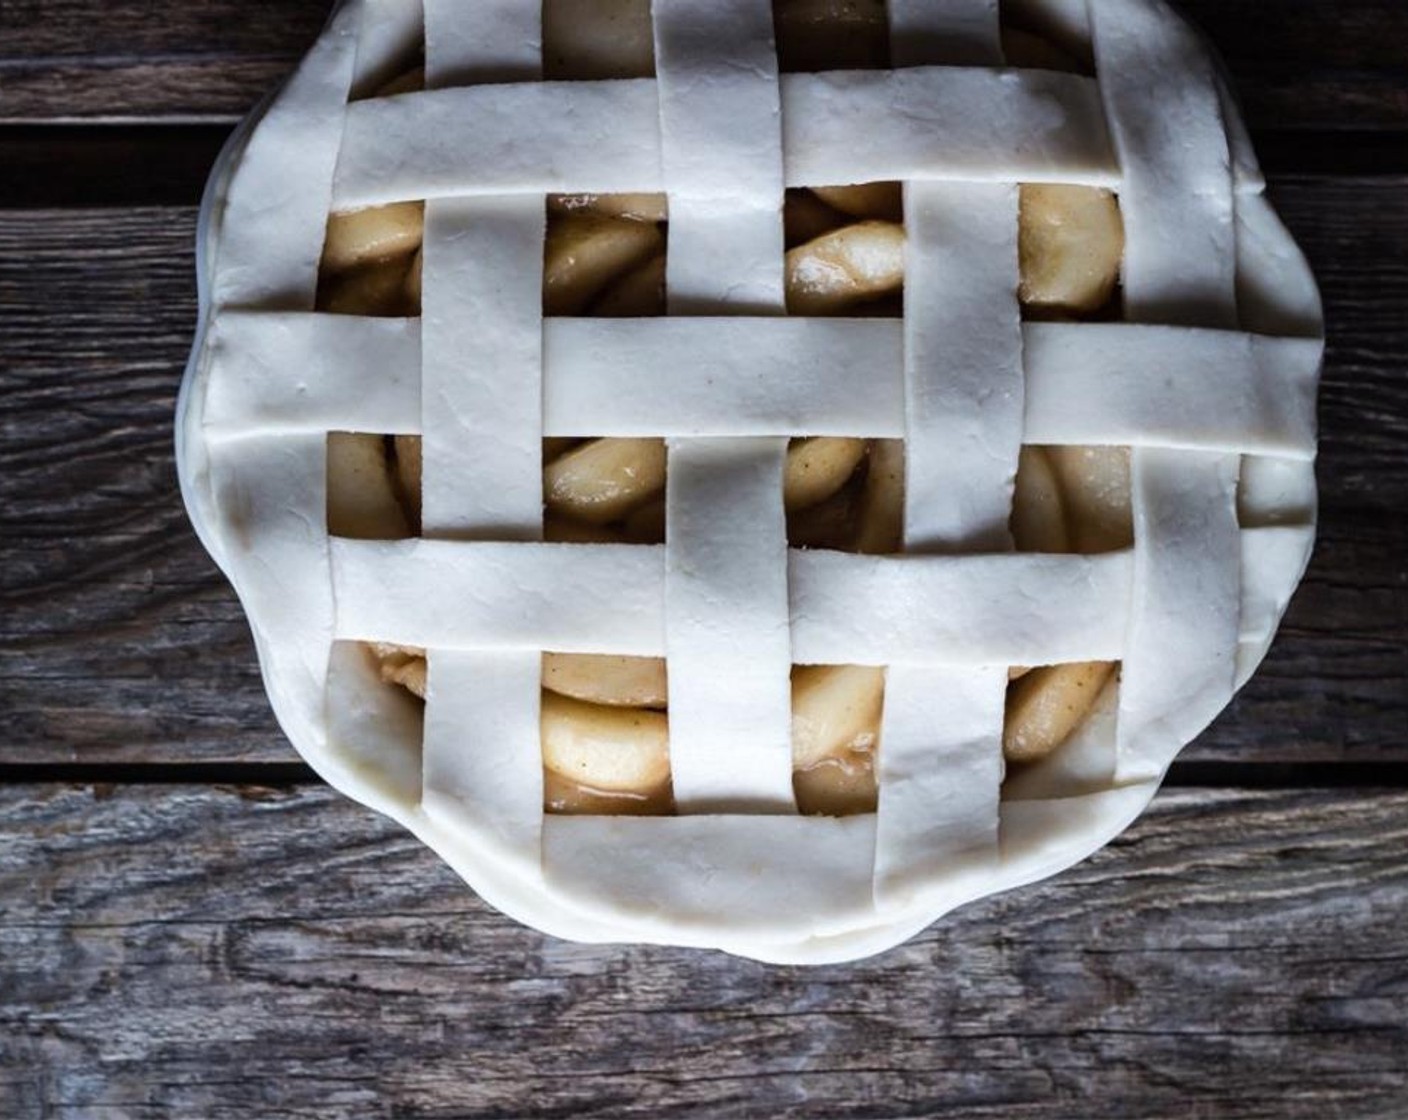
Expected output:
{"points": [[940, 755], [944, 123], [716, 876], [271, 217], [958, 610], [728, 641], [481, 375], [390, 32], [723, 377], [1180, 267], [574, 598], [727, 637], [483, 771], [721, 154], [1086, 383], [276, 207], [481, 418], [1171, 387], [352, 374], [595, 137]]}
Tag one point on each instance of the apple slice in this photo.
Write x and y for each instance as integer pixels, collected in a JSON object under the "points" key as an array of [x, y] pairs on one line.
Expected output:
{"points": [[374, 288], [805, 217], [563, 530], [836, 713], [358, 237], [412, 81], [884, 201], [881, 527], [829, 524], [1026, 51], [637, 207], [1070, 242], [835, 709], [585, 40], [847, 266], [1047, 704], [412, 284], [403, 665], [1095, 487], [1038, 514], [604, 479], [564, 796], [361, 501], [837, 787], [630, 682], [586, 252], [646, 524], [818, 467], [817, 35], [638, 294], [605, 748]]}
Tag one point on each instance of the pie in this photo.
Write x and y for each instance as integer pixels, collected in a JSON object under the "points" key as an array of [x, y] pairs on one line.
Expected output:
{"points": [[752, 475]]}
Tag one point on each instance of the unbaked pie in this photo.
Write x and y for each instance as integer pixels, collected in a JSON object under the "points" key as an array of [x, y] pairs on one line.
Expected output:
{"points": [[744, 474]]}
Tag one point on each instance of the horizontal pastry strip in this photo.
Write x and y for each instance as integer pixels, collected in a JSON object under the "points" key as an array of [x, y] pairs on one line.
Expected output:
{"points": [[722, 877], [845, 609], [1086, 383], [932, 122]]}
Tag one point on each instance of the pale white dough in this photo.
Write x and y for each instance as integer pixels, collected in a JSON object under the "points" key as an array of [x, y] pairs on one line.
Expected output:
{"points": [[481, 711], [1178, 202], [604, 598], [391, 32], [717, 876], [353, 374], [481, 374], [940, 765], [1085, 383], [727, 639], [1002, 609], [1211, 379], [941, 123], [1172, 387], [721, 154], [721, 376], [938, 123]]}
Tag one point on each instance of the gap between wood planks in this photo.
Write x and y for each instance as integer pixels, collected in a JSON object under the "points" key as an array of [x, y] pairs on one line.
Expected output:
{"points": [[162, 165], [1365, 776]]}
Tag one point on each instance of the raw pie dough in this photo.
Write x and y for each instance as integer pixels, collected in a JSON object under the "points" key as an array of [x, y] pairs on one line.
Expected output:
{"points": [[766, 377]]}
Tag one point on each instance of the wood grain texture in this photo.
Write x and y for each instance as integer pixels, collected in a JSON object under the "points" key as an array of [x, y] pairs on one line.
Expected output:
{"points": [[94, 60], [1294, 68], [120, 642], [232, 953]]}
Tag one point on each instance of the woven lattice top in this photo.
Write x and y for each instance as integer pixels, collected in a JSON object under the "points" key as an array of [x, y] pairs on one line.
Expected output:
{"points": [[1210, 379]]}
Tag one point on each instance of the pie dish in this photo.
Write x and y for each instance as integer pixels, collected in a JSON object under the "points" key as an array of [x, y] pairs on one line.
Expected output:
{"points": [[749, 475]]}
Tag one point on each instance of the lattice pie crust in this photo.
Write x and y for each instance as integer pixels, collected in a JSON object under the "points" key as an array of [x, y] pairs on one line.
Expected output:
{"points": [[1205, 365]]}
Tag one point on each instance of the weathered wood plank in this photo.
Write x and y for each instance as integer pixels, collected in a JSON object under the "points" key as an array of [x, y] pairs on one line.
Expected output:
{"points": [[229, 953], [1304, 65], [68, 59], [120, 642]]}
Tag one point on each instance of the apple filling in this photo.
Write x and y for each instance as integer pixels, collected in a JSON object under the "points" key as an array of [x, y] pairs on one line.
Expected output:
{"points": [[604, 719]]}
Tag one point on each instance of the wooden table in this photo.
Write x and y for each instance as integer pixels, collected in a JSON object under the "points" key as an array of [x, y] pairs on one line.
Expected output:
{"points": [[192, 925]]}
